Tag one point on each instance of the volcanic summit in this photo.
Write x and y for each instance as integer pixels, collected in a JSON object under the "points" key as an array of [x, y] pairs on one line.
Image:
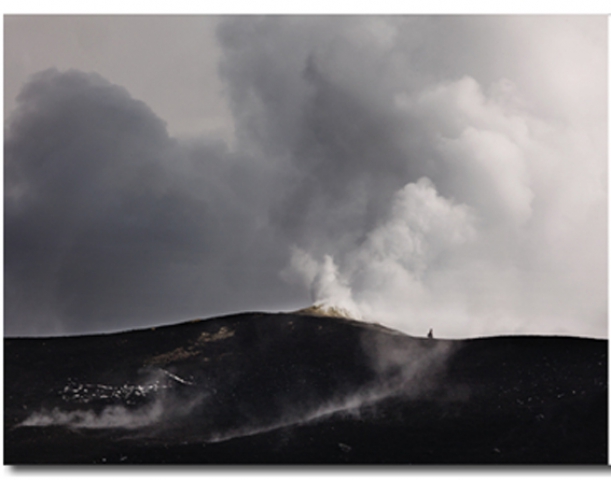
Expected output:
{"points": [[301, 387]]}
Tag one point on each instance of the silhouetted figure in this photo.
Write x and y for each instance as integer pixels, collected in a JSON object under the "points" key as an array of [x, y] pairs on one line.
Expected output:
{"points": [[430, 334]]}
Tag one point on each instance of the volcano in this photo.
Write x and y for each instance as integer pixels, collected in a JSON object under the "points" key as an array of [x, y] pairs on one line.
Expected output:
{"points": [[303, 388]]}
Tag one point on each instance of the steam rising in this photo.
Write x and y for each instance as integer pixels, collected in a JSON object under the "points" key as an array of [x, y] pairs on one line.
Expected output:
{"points": [[445, 172]]}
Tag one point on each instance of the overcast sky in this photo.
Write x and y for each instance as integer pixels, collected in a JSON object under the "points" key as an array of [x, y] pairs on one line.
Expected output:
{"points": [[446, 172]]}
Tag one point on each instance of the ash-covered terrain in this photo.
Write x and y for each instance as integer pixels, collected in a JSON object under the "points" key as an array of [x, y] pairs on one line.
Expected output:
{"points": [[303, 388]]}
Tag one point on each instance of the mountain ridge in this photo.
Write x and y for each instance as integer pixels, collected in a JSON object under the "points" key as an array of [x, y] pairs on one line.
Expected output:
{"points": [[272, 382]]}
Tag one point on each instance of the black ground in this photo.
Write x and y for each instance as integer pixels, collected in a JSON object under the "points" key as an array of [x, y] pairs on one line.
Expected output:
{"points": [[288, 388]]}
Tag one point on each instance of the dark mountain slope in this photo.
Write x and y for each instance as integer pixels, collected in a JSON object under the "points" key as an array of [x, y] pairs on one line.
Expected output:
{"points": [[289, 388]]}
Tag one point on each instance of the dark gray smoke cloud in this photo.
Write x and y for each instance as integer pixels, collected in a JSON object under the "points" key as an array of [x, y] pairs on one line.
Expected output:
{"points": [[111, 224], [413, 170]]}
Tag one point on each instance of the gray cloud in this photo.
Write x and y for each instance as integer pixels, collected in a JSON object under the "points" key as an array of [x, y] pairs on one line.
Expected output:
{"points": [[400, 166], [162, 60], [108, 220]]}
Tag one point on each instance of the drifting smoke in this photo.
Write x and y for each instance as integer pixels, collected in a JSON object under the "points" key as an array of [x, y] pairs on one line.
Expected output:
{"points": [[445, 172], [163, 403], [160, 413], [152, 403], [412, 370], [111, 417]]}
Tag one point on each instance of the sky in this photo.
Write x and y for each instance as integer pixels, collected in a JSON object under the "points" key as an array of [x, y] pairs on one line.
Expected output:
{"points": [[445, 172]]}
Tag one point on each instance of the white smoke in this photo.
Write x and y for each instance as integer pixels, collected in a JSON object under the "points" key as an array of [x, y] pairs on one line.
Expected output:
{"points": [[115, 416], [410, 370], [327, 286], [516, 253], [384, 279], [158, 404]]}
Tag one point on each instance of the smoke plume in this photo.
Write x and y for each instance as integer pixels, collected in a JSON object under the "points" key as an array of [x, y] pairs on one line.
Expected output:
{"points": [[445, 172]]}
